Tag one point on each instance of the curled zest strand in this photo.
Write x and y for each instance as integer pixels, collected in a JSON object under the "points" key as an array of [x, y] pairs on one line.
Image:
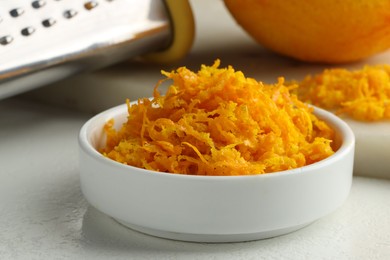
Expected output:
{"points": [[196, 151]]}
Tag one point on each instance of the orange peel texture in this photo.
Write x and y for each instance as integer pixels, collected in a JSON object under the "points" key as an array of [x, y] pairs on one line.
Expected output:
{"points": [[218, 122], [324, 31]]}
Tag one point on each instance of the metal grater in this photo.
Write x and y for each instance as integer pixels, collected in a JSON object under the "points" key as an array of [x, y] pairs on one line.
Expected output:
{"points": [[42, 41]]}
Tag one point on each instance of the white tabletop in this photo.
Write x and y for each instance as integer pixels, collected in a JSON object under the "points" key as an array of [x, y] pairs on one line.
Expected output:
{"points": [[43, 214]]}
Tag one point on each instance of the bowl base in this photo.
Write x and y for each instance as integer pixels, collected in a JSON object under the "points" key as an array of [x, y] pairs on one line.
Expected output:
{"points": [[212, 238]]}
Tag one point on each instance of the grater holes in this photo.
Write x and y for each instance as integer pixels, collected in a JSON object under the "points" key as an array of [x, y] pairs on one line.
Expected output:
{"points": [[16, 12], [48, 22], [90, 5], [5, 40], [27, 31], [70, 13], [38, 4]]}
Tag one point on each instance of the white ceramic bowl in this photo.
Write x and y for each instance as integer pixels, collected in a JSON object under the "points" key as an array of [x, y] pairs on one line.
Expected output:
{"points": [[213, 208]]}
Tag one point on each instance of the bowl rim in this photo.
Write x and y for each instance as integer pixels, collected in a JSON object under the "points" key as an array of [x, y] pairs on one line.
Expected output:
{"points": [[346, 134]]}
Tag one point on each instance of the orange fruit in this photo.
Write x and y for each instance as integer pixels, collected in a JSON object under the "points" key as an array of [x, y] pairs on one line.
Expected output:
{"points": [[330, 31]]}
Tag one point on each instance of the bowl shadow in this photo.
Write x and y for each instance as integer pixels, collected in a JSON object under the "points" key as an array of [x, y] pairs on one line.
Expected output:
{"points": [[102, 232]]}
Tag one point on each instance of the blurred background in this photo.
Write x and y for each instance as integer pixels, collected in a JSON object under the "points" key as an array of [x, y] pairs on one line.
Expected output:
{"points": [[217, 36]]}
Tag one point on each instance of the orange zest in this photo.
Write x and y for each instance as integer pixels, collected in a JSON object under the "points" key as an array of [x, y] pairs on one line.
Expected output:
{"points": [[218, 122], [361, 94]]}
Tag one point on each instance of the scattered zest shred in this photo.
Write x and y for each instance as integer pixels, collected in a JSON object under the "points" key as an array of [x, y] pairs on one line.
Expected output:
{"points": [[218, 122], [362, 94]]}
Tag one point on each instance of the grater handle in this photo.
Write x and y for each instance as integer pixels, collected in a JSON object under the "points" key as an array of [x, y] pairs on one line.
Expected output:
{"points": [[183, 28]]}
